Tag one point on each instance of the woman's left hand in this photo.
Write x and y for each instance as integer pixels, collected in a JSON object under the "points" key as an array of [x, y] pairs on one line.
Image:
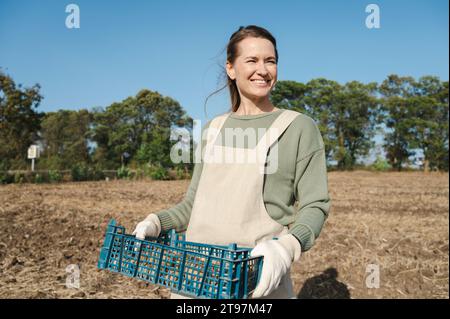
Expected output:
{"points": [[278, 258]]}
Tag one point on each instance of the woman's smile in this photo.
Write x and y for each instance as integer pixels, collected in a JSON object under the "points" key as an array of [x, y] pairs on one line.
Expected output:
{"points": [[261, 83]]}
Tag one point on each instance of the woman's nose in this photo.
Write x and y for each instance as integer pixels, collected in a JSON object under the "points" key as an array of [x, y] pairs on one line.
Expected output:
{"points": [[261, 69]]}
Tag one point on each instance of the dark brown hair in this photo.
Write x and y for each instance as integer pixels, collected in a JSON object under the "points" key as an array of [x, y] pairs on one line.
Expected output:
{"points": [[232, 53]]}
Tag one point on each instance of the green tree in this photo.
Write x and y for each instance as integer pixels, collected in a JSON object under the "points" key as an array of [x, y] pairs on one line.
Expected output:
{"points": [[432, 128], [65, 138], [355, 118], [321, 98], [417, 117], [138, 125], [313, 99], [400, 119], [19, 121], [345, 115]]}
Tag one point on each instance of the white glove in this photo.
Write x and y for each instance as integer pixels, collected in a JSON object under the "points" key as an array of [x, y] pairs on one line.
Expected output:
{"points": [[149, 227], [278, 258]]}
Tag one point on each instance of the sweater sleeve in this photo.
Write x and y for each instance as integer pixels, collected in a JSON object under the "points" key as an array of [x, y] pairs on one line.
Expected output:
{"points": [[311, 189], [178, 216]]}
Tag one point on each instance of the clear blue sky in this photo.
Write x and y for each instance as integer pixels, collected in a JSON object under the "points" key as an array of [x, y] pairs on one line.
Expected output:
{"points": [[174, 47]]}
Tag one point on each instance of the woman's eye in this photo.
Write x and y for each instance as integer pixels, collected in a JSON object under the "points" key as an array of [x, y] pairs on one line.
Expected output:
{"points": [[270, 61]]}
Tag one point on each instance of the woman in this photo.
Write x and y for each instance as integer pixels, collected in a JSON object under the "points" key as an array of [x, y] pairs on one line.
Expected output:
{"points": [[250, 202]]}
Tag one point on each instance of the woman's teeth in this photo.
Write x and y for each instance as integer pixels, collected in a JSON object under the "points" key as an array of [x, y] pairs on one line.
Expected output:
{"points": [[260, 82]]}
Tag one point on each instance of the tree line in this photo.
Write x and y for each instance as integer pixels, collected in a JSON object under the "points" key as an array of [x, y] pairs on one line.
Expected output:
{"points": [[412, 115]]}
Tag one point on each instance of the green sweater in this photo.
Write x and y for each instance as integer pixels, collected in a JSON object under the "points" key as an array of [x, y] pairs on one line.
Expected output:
{"points": [[301, 176]]}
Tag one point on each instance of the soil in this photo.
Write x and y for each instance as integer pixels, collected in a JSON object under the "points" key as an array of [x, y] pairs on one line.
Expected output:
{"points": [[392, 224]]}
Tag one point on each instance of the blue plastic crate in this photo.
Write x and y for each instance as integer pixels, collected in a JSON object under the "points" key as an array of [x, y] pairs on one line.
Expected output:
{"points": [[187, 268]]}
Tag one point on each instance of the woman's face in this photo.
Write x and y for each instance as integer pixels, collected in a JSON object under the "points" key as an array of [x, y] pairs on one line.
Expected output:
{"points": [[255, 68]]}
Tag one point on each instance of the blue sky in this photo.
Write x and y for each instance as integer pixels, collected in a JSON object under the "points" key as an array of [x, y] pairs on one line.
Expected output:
{"points": [[175, 47]]}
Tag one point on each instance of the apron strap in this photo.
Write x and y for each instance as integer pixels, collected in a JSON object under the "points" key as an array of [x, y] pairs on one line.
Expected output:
{"points": [[277, 128], [213, 131]]}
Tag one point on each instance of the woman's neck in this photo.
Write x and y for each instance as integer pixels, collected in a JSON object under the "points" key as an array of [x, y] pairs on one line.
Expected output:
{"points": [[248, 107]]}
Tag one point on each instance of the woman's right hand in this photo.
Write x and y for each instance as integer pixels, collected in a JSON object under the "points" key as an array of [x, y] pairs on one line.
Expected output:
{"points": [[149, 227]]}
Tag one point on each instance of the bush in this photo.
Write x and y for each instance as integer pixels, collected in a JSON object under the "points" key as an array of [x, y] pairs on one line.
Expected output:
{"points": [[139, 174], [83, 172], [79, 172], [180, 173], [6, 178], [38, 178], [381, 164], [95, 173], [19, 178], [123, 172], [157, 172], [54, 176]]}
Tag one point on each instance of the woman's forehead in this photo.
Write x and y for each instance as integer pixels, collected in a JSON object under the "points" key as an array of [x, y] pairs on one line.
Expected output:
{"points": [[255, 47]]}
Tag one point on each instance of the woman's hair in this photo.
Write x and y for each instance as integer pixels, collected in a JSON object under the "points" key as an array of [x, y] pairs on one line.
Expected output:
{"points": [[251, 31]]}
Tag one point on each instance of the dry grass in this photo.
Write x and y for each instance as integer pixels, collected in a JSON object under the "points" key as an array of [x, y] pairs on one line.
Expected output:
{"points": [[398, 221]]}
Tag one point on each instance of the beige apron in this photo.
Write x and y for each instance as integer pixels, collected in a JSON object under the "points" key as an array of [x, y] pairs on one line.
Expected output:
{"points": [[229, 205]]}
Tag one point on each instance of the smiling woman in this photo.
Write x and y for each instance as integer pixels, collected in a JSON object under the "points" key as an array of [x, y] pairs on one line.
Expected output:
{"points": [[251, 202], [251, 67]]}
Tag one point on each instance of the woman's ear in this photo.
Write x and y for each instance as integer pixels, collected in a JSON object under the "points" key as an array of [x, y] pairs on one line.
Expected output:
{"points": [[230, 71]]}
